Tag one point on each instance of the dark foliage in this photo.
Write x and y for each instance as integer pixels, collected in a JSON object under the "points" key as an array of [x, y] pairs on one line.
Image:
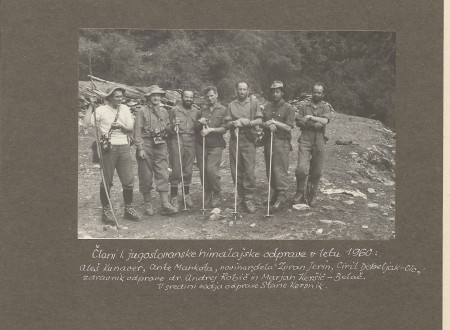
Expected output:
{"points": [[357, 68]]}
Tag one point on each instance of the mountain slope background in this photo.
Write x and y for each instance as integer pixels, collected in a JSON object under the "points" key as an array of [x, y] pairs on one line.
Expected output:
{"points": [[356, 67]]}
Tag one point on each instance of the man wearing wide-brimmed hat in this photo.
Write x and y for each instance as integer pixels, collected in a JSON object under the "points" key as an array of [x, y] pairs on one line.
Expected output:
{"points": [[279, 118], [115, 122], [151, 128]]}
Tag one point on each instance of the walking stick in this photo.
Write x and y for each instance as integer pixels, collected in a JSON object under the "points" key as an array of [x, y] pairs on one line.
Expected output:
{"points": [[102, 171], [270, 176], [181, 168], [236, 174], [100, 155], [203, 174]]}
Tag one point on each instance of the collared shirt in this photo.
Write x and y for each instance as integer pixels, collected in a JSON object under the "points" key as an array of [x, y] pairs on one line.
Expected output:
{"points": [[282, 112], [105, 116], [215, 119], [148, 119], [243, 109], [321, 109], [249, 109], [187, 118]]}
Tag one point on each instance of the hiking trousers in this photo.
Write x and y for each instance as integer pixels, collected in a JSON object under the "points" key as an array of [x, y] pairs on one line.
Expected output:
{"points": [[213, 158], [118, 159], [311, 155], [154, 168], [187, 148], [246, 166], [280, 165]]}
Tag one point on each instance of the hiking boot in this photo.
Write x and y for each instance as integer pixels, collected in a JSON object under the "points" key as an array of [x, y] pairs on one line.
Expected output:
{"points": [[189, 202], [299, 199], [215, 200], [277, 205], [168, 209], [107, 216], [208, 199], [313, 200], [250, 207], [130, 213], [272, 200], [148, 208]]}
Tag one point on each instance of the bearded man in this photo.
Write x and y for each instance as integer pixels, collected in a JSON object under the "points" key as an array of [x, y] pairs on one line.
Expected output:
{"points": [[184, 118], [312, 118]]}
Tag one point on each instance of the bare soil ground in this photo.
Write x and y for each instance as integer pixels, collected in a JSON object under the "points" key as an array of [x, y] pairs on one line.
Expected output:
{"points": [[366, 165]]}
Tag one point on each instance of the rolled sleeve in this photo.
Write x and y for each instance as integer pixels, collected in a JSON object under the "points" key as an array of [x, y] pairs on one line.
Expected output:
{"points": [[327, 113]]}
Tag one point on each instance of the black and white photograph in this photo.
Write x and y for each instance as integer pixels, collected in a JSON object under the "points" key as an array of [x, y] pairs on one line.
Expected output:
{"points": [[224, 164], [311, 112]]}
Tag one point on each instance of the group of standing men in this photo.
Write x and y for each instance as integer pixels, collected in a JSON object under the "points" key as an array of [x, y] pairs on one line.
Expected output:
{"points": [[177, 136]]}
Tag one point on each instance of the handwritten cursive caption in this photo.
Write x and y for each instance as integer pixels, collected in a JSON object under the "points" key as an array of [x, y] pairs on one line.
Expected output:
{"points": [[240, 269]]}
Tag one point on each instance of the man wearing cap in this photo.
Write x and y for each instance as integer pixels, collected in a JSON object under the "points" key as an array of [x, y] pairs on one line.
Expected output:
{"points": [[279, 118], [244, 113], [114, 120], [183, 117], [210, 125], [151, 128], [312, 117]]}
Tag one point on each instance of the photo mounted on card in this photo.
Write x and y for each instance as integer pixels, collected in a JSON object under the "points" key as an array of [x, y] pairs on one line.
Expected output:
{"points": [[236, 134]]}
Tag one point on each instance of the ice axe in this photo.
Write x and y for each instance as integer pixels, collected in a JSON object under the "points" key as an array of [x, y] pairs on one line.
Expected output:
{"points": [[235, 213], [181, 166], [99, 151], [270, 177]]}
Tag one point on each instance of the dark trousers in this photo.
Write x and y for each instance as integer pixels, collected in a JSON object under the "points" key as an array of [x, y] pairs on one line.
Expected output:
{"points": [[155, 165], [311, 155], [213, 158], [246, 166], [118, 159], [280, 166], [187, 148]]}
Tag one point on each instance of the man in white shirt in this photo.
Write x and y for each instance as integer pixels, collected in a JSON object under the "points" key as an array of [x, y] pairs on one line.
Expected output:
{"points": [[115, 122]]}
